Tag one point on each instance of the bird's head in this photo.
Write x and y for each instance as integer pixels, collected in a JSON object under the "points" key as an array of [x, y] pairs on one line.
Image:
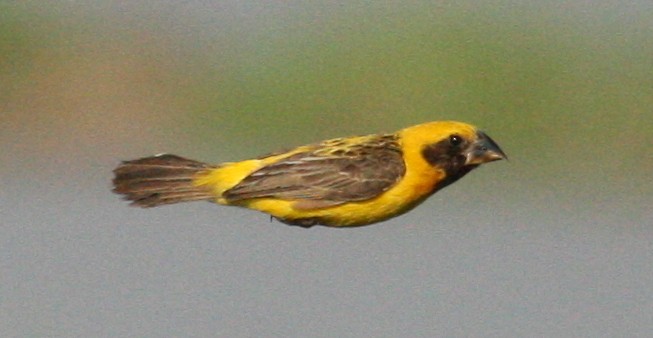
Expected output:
{"points": [[454, 147]]}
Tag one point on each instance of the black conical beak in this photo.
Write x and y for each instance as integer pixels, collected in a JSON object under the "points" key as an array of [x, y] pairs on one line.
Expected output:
{"points": [[483, 150]]}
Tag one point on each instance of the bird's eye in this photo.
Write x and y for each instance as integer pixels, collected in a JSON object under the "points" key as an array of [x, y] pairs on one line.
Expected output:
{"points": [[455, 140]]}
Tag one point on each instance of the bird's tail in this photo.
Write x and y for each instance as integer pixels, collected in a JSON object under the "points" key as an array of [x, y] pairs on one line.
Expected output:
{"points": [[158, 180]]}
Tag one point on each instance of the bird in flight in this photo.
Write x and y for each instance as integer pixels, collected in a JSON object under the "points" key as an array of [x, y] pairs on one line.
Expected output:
{"points": [[343, 182]]}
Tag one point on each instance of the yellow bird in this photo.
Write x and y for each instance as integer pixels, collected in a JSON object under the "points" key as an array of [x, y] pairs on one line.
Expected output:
{"points": [[341, 182]]}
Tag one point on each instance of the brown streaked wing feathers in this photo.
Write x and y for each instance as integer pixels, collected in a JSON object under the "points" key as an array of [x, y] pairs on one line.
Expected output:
{"points": [[328, 175]]}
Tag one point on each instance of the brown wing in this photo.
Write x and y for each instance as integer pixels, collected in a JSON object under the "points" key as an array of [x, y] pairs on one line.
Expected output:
{"points": [[333, 173]]}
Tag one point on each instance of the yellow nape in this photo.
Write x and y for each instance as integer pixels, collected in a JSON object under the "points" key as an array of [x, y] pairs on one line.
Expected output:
{"points": [[417, 136]]}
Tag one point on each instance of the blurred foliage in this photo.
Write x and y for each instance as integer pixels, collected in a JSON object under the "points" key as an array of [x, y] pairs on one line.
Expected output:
{"points": [[555, 83]]}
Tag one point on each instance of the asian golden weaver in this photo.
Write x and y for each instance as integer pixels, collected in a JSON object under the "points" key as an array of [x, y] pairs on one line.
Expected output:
{"points": [[342, 182]]}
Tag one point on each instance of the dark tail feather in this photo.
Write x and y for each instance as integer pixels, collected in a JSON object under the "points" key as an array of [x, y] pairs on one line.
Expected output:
{"points": [[162, 179]]}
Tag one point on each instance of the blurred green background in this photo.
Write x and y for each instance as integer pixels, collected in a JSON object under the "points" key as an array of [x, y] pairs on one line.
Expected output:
{"points": [[565, 87]]}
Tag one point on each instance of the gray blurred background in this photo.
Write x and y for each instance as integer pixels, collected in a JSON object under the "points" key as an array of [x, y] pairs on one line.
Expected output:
{"points": [[558, 241]]}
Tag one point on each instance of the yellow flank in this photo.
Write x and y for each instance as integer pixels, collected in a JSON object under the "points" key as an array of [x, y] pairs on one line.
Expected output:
{"points": [[418, 182]]}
